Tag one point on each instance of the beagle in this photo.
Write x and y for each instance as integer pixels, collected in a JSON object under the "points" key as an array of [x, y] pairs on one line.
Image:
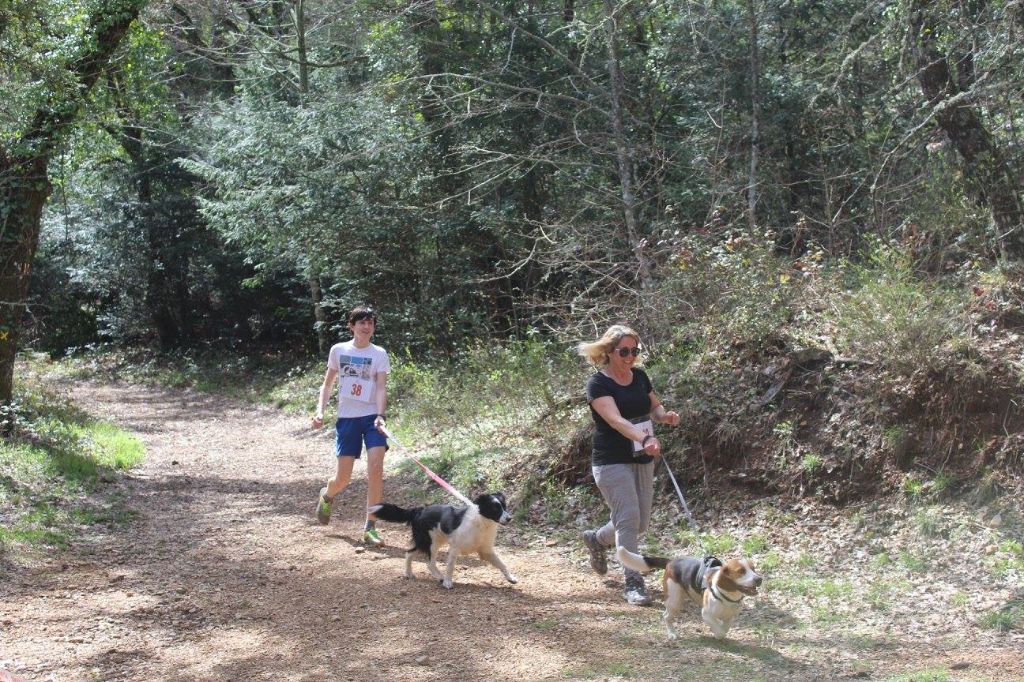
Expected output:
{"points": [[718, 587]]}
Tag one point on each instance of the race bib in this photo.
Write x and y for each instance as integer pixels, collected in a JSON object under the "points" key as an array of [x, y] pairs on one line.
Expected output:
{"points": [[647, 426], [355, 388]]}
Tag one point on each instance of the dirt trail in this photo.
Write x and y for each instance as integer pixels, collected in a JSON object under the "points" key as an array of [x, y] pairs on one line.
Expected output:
{"points": [[224, 575]]}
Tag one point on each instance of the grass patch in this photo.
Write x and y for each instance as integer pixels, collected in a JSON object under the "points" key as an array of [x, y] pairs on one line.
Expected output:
{"points": [[927, 675], [881, 560], [755, 544], [545, 624], [811, 462], [718, 544], [799, 586], [1007, 618], [769, 562], [912, 562], [58, 464], [960, 599], [826, 615], [1010, 559], [836, 589], [929, 522], [913, 488], [882, 593], [806, 560]]}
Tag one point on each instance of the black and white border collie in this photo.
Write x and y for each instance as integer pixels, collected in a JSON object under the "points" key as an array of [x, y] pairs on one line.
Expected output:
{"points": [[464, 529]]}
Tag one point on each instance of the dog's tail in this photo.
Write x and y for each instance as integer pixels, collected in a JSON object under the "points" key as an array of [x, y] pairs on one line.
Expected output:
{"points": [[394, 513], [644, 564]]}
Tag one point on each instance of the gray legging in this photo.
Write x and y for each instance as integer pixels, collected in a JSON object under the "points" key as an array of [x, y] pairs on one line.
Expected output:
{"points": [[628, 490]]}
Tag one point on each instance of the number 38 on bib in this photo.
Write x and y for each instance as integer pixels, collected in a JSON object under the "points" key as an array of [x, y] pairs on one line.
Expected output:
{"points": [[355, 388]]}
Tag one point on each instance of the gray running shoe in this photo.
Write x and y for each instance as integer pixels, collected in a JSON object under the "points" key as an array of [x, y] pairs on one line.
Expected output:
{"points": [[635, 592], [598, 552]]}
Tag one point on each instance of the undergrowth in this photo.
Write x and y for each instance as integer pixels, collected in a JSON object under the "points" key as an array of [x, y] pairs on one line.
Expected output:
{"points": [[58, 465]]}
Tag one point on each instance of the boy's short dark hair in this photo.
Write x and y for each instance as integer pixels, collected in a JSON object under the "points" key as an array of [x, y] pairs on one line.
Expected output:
{"points": [[362, 312]]}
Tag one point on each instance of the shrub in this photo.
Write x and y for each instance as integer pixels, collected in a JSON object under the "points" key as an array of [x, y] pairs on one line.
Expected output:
{"points": [[893, 318]]}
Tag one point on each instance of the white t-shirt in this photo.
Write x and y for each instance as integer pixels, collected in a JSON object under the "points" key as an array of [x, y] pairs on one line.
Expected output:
{"points": [[357, 377]]}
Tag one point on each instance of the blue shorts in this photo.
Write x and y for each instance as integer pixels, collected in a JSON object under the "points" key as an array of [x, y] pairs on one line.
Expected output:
{"points": [[352, 432]]}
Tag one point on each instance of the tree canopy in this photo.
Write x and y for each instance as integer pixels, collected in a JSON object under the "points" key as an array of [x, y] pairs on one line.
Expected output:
{"points": [[482, 170]]}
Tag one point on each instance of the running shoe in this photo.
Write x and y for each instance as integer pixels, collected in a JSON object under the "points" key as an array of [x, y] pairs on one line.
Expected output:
{"points": [[598, 552], [371, 538], [323, 508]]}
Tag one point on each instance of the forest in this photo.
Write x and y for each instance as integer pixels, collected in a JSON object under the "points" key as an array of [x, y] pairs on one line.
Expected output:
{"points": [[812, 211], [210, 174], [769, 192]]}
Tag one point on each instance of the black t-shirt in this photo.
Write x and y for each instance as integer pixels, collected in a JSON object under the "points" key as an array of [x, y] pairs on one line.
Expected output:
{"points": [[634, 402]]}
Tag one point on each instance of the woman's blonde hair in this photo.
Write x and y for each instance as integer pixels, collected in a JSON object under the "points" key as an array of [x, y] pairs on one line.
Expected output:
{"points": [[596, 352]]}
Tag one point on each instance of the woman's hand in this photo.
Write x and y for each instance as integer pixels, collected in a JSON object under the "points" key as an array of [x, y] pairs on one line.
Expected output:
{"points": [[652, 446], [318, 421], [670, 418]]}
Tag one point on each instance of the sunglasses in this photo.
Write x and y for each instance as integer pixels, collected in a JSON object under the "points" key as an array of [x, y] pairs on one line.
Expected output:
{"points": [[625, 352]]}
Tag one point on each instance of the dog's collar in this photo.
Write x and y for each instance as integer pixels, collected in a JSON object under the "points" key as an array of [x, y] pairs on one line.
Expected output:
{"points": [[720, 596]]}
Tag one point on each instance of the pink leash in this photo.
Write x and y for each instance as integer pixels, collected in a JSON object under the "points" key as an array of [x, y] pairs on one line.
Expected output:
{"points": [[437, 479]]}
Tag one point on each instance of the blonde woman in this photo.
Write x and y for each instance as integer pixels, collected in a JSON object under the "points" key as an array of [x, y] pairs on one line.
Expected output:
{"points": [[624, 407]]}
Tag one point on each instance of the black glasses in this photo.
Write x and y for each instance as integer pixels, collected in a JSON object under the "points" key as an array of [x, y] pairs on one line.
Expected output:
{"points": [[625, 352]]}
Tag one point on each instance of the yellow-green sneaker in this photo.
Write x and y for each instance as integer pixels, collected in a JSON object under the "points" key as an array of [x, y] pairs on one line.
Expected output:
{"points": [[323, 508], [371, 538]]}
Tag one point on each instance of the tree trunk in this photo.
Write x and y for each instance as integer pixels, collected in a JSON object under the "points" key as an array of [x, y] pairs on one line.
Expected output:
{"points": [[316, 295], [989, 178], [24, 188], [755, 115], [24, 180], [623, 148], [300, 45]]}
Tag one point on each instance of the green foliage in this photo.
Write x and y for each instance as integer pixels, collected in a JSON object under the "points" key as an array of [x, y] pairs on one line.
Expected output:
{"points": [[929, 522], [895, 318], [755, 544], [811, 463], [718, 544], [913, 487], [739, 288], [927, 675], [1010, 559], [912, 562], [57, 464], [895, 436], [1007, 618], [455, 167], [769, 562], [487, 388]]}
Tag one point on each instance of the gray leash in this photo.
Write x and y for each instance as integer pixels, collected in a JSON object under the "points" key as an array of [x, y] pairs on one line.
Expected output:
{"points": [[686, 508], [682, 500]]}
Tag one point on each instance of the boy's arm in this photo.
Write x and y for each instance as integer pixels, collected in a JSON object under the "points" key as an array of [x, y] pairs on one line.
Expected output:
{"points": [[325, 395]]}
